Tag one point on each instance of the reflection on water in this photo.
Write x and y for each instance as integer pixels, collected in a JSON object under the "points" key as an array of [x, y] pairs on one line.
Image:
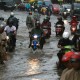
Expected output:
{"points": [[33, 67], [35, 79], [66, 22]]}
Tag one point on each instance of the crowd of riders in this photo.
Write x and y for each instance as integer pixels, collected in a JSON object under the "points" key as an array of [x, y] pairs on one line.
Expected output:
{"points": [[8, 32], [69, 54], [41, 9]]}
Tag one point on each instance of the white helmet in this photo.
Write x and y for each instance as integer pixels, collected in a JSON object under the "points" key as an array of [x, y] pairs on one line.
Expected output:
{"points": [[1, 26], [12, 14], [66, 35]]}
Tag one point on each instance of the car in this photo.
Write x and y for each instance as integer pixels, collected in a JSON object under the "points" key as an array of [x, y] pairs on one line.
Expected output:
{"points": [[76, 10], [55, 8], [9, 6]]}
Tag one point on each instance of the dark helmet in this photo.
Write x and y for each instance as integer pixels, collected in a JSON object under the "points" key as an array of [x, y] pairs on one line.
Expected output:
{"points": [[48, 18], [1, 18], [30, 13], [74, 17], [37, 24], [11, 23], [45, 19], [59, 18]]}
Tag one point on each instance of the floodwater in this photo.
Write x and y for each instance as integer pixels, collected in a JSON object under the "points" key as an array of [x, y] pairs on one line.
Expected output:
{"points": [[25, 64]]}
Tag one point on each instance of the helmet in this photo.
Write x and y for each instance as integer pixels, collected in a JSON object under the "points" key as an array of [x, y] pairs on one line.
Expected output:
{"points": [[1, 26], [1, 18], [74, 17], [65, 35], [75, 57], [36, 10], [59, 18], [12, 14], [11, 23], [45, 18], [48, 18], [66, 57], [30, 13], [37, 24]]}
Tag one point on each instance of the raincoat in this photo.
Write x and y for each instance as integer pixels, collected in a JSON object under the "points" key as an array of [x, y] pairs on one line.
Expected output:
{"points": [[71, 75], [30, 20], [64, 71]]}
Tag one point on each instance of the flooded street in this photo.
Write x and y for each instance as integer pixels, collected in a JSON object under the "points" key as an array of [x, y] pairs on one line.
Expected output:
{"points": [[24, 64]]}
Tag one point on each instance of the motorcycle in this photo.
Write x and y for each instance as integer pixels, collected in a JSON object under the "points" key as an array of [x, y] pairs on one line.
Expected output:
{"points": [[73, 28], [64, 15], [59, 30], [47, 32], [11, 41], [35, 42]]}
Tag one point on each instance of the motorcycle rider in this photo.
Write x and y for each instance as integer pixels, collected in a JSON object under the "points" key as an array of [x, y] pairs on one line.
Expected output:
{"points": [[39, 31], [2, 43], [66, 61], [74, 73], [30, 20], [36, 16], [46, 23], [43, 10], [74, 20], [11, 30], [60, 22], [64, 41], [14, 19], [48, 11], [76, 40]]}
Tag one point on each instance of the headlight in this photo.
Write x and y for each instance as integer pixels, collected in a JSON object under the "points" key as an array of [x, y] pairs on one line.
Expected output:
{"points": [[7, 37], [64, 12], [35, 36], [73, 29], [68, 10]]}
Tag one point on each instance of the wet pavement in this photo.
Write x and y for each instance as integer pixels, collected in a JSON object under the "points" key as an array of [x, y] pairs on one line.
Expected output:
{"points": [[25, 64]]}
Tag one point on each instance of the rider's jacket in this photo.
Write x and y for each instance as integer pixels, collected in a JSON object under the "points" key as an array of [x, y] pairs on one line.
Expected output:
{"points": [[10, 29], [14, 19], [37, 31], [48, 24], [71, 75], [64, 42]]}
